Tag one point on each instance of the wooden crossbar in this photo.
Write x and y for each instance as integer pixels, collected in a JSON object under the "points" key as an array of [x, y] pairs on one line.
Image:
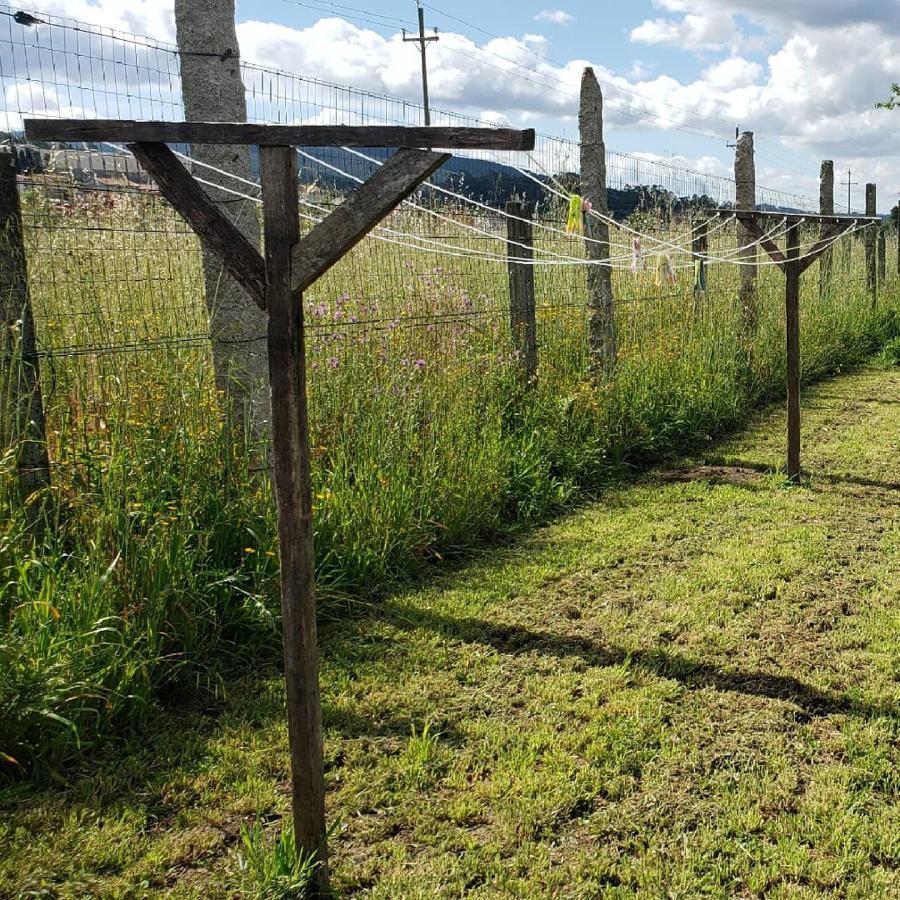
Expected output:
{"points": [[752, 214], [130, 131]]}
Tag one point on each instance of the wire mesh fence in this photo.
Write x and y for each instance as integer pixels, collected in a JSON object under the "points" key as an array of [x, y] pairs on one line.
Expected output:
{"points": [[419, 312]]}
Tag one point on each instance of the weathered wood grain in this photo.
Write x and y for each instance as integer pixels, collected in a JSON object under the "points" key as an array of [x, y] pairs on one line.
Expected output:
{"points": [[293, 496], [131, 131], [792, 273], [342, 229]]}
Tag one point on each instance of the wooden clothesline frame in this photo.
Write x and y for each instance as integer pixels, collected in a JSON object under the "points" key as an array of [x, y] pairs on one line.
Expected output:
{"points": [[275, 280], [790, 262]]}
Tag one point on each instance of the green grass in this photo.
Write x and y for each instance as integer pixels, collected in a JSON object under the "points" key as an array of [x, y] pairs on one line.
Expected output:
{"points": [[688, 688], [155, 578]]}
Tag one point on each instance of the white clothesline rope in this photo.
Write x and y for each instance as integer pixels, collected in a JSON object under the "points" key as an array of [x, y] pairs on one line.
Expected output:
{"points": [[441, 247]]}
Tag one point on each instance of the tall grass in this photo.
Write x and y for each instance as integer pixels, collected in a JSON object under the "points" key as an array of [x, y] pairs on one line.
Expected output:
{"points": [[155, 571]]}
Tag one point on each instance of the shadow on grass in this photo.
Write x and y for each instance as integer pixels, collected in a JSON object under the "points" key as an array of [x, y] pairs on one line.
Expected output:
{"points": [[746, 466], [692, 674]]}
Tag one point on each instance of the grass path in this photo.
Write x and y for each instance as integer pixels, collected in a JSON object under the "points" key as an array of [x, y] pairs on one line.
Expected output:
{"points": [[687, 689]]}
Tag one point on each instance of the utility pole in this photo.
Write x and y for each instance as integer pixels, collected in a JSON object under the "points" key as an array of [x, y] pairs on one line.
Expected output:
{"points": [[423, 43], [849, 184]]}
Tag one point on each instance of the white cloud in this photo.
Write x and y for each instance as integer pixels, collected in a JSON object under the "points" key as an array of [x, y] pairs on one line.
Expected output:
{"points": [[146, 17], [639, 70], [732, 73], [555, 17], [814, 91], [692, 32]]}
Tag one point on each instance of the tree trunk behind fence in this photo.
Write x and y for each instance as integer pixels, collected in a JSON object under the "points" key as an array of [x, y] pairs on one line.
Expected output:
{"points": [[213, 91], [520, 253], [826, 208], [21, 406], [871, 263], [601, 304], [745, 196]]}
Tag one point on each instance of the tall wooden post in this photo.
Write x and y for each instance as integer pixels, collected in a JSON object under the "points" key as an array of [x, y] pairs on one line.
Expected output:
{"points": [[293, 495], [826, 208], [520, 253], [897, 223], [745, 198], [276, 283], [21, 405], [792, 273], [601, 304], [871, 272]]}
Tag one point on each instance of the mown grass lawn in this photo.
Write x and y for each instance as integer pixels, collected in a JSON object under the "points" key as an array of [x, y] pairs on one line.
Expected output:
{"points": [[689, 688]]}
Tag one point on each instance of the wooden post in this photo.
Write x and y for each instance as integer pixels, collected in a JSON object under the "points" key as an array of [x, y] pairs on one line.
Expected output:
{"points": [[293, 494], [897, 223], [520, 252], [826, 208], [792, 318], [882, 257], [871, 272], [601, 304], [22, 417], [276, 282], [745, 198]]}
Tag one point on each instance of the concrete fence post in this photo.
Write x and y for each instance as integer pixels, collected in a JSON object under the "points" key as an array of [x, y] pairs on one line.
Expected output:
{"points": [[601, 304], [745, 198]]}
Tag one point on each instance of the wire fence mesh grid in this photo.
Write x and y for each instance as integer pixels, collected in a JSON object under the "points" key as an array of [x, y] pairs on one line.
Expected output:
{"points": [[424, 301]]}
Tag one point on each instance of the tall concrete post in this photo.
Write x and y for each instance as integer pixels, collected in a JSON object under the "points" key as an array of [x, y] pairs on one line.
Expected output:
{"points": [[745, 196], [826, 208], [212, 90], [601, 304]]}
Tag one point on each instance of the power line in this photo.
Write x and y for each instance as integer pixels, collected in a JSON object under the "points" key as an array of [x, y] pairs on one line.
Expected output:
{"points": [[423, 43]]}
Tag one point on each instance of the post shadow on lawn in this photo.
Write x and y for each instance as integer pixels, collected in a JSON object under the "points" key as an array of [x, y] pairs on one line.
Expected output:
{"points": [[692, 674], [830, 477]]}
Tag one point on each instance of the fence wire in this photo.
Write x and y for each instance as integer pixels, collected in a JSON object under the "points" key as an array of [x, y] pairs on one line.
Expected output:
{"points": [[419, 311]]}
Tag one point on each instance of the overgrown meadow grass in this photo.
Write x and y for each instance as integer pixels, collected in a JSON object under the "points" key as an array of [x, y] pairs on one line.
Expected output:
{"points": [[155, 573]]}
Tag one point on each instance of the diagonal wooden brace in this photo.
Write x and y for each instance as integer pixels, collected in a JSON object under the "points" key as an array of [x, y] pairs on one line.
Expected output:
{"points": [[321, 248], [766, 243], [360, 213], [242, 260], [820, 247]]}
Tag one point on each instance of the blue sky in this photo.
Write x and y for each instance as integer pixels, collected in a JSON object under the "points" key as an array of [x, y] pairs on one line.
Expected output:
{"points": [[678, 75], [590, 35], [671, 68]]}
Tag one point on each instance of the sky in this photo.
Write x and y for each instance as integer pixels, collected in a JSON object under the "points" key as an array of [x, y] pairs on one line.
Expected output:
{"points": [[679, 76]]}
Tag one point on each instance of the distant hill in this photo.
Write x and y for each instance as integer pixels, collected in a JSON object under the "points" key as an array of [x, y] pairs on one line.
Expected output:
{"points": [[484, 180]]}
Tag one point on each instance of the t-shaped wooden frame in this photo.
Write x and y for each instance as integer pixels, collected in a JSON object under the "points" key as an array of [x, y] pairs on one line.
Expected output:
{"points": [[793, 264], [276, 282]]}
